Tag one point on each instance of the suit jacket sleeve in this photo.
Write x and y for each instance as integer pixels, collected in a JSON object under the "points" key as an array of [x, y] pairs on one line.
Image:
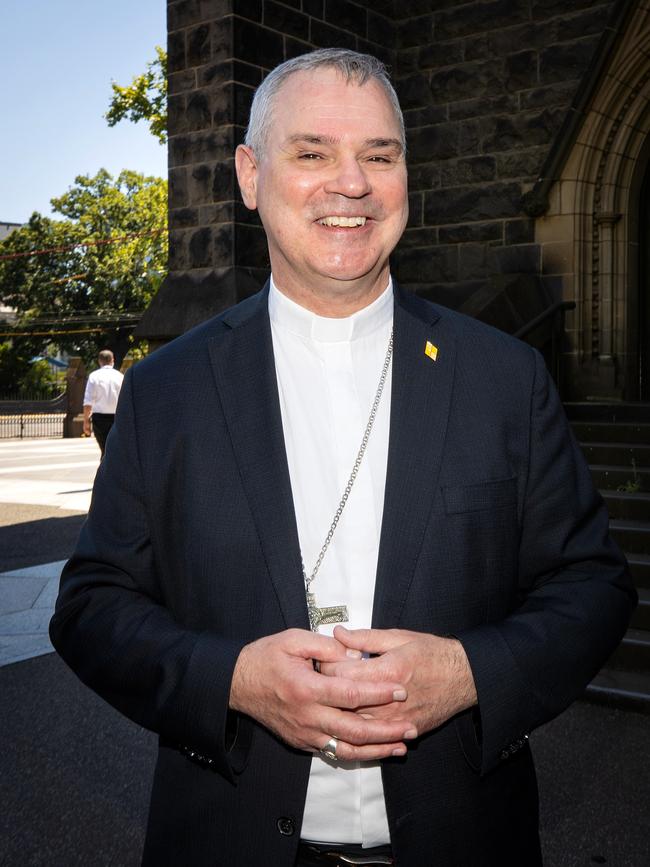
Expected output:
{"points": [[575, 595], [113, 628]]}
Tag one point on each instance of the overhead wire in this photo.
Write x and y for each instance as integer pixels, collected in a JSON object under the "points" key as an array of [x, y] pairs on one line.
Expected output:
{"points": [[124, 319], [66, 248], [59, 332]]}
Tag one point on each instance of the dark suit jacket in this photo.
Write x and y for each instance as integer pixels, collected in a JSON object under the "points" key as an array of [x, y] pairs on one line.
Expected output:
{"points": [[492, 532]]}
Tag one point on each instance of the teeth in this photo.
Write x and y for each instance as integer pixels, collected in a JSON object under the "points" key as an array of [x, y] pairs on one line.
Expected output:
{"points": [[348, 222]]}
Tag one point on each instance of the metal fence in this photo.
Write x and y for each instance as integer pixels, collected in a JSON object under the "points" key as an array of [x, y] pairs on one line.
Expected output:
{"points": [[22, 417]]}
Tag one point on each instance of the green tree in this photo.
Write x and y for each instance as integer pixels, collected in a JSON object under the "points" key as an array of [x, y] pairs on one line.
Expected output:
{"points": [[144, 99], [14, 367], [40, 379], [105, 257]]}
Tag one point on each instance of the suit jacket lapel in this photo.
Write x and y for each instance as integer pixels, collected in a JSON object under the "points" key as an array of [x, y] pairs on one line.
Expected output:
{"points": [[244, 370], [420, 399]]}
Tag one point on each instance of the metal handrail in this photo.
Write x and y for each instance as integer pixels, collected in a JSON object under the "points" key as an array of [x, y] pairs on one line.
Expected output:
{"points": [[549, 313], [555, 362]]}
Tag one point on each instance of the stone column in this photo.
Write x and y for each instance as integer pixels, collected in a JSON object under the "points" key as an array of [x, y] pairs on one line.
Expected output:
{"points": [[216, 250]]}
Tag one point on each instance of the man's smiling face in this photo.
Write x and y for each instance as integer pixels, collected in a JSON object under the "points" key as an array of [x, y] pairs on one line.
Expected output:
{"points": [[330, 188]]}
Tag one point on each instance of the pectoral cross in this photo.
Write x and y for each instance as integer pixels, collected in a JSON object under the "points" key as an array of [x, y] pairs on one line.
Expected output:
{"points": [[319, 616]]}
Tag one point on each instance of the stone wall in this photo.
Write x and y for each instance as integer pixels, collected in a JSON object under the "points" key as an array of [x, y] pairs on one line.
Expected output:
{"points": [[485, 86], [219, 51]]}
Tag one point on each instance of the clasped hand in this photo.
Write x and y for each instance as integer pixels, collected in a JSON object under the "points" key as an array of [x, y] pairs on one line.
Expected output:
{"points": [[412, 683]]}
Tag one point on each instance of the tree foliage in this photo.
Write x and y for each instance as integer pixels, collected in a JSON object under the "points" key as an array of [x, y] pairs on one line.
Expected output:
{"points": [[14, 367], [105, 256], [144, 99]]}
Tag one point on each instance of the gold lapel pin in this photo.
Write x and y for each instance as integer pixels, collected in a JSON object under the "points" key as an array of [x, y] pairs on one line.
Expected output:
{"points": [[431, 351]]}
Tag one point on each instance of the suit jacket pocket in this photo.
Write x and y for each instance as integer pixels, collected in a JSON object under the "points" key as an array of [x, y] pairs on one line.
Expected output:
{"points": [[480, 496]]}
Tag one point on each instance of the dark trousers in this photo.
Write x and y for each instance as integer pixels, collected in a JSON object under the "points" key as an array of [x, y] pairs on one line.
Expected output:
{"points": [[102, 423]]}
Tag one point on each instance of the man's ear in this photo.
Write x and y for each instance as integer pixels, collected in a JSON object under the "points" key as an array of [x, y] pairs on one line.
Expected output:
{"points": [[246, 166]]}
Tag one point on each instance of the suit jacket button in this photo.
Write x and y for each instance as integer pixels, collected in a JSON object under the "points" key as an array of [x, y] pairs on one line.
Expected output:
{"points": [[286, 826]]}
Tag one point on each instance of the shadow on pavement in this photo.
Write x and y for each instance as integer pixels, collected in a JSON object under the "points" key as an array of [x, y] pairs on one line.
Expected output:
{"points": [[75, 781], [31, 535]]}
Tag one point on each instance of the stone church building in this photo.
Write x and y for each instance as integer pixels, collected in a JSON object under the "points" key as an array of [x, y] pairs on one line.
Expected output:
{"points": [[528, 133], [528, 129]]}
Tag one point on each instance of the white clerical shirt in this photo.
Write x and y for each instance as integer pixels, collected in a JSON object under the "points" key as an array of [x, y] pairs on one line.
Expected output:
{"points": [[328, 371]]}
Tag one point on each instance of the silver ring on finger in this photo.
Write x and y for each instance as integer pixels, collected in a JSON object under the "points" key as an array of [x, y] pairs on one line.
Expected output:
{"points": [[329, 750]]}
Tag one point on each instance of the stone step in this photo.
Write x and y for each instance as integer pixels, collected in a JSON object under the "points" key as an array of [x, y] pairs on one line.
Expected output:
{"points": [[632, 536], [611, 432], [611, 478], [613, 412], [627, 689], [633, 653], [627, 456], [640, 569], [615, 438], [631, 507], [641, 616]]}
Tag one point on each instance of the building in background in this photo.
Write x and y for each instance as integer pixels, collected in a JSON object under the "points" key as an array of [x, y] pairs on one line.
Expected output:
{"points": [[528, 130], [529, 144], [7, 314], [7, 228]]}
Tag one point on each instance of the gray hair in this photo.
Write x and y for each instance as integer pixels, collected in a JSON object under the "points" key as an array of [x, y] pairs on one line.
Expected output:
{"points": [[353, 66]]}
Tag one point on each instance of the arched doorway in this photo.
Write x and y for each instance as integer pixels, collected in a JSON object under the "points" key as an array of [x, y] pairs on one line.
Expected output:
{"points": [[596, 232]]}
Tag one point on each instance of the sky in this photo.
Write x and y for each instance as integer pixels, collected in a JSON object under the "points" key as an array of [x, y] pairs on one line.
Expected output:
{"points": [[57, 61]]}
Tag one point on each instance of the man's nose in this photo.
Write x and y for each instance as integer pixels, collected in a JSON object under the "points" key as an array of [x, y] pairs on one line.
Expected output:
{"points": [[348, 179]]}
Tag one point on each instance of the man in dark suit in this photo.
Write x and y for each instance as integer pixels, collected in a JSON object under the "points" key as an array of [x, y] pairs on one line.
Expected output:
{"points": [[339, 454]]}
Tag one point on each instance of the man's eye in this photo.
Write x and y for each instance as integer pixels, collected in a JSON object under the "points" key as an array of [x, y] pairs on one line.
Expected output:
{"points": [[310, 156], [378, 158]]}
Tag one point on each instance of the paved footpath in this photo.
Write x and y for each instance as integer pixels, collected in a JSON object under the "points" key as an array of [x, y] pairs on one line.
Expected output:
{"points": [[45, 489]]}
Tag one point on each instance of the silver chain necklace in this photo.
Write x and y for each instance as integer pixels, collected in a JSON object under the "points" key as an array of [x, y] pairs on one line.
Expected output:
{"points": [[339, 613]]}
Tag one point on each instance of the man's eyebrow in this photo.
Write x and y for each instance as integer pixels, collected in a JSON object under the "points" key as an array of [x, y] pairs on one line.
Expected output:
{"points": [[384, 143], [312, 138]]}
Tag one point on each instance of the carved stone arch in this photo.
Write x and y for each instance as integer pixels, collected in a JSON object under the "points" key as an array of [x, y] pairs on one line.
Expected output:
{"points": [[638, 275], [589, 235]]}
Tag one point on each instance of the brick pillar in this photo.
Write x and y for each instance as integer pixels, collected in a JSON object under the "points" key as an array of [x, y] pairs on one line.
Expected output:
{"points": [[75, 384]]}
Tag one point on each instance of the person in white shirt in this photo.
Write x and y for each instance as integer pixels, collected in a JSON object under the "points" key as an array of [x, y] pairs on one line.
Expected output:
{"points": [[343, 554], [100, 398]]}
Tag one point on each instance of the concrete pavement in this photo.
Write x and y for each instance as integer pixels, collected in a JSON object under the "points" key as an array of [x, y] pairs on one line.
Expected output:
{"points": [[48, 472], [27, 598], [45, 488]]}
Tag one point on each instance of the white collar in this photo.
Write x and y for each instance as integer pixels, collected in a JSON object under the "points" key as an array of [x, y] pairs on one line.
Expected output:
{"points": [[286, 313]]}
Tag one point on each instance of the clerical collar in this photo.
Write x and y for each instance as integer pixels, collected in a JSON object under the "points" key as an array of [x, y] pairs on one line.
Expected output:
{"points": [[287, 314]]}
